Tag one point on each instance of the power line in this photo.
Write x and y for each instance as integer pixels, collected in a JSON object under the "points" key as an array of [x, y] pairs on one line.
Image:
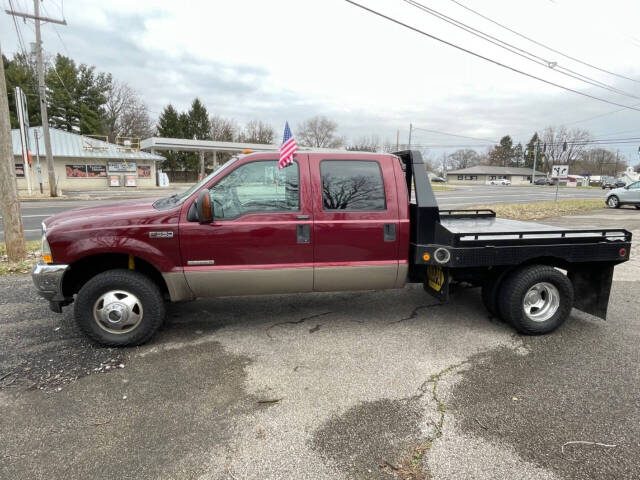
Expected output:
{"points": [[455, 135], [532, 57], [18, 32], [495, 62], [543, 45]]}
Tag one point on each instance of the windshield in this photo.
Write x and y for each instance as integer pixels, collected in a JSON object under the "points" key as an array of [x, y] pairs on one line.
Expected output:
{"points": [[178, 198]]}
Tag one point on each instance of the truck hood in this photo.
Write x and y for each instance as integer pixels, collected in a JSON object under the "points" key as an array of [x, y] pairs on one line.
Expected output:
{"points": [[114, 214]]}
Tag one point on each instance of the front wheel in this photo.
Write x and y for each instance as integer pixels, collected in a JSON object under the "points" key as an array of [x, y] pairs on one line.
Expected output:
{"points": [[613, 202], [536, 299], [119, 308]]}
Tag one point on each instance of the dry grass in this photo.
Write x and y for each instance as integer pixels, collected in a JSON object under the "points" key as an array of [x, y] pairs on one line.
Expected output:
{"points": [[7, 267], [538, 210]]}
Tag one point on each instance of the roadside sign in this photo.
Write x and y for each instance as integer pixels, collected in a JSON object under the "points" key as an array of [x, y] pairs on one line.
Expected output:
{"points": [[560, 171]]}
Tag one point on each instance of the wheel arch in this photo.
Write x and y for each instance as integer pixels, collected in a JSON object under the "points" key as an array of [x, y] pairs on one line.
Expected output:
{"points": [[85, 268]]}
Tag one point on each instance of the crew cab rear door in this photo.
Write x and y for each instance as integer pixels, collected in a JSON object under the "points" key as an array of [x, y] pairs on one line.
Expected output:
{"points": [[356, 226], [260, 239]]}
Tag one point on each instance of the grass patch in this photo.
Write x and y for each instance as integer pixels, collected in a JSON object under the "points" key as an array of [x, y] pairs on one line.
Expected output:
{"points": [[33, 253], [538, 210], [441, 188]]}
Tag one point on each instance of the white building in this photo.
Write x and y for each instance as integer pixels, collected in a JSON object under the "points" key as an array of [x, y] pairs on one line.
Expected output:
{"points": [[85, 163], [483, 174]]}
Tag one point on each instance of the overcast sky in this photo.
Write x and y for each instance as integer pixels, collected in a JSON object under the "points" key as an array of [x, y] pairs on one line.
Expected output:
{"points": [[292, 59]]}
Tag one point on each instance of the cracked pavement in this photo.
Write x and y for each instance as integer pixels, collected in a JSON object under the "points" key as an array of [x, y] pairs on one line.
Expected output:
{"points": [[324, 386]]}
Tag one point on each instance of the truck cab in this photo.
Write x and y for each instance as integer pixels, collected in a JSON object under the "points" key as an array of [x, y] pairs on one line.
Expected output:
{"points": [[330, 221]]}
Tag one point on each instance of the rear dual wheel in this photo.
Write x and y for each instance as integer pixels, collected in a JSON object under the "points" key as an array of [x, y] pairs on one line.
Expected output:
{"points": [[535, 299]]}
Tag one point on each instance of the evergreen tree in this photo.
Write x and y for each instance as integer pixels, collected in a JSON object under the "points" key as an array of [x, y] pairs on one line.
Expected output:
{"points": [[529, 153], [169, 125], [197, 119], [20, 71]]}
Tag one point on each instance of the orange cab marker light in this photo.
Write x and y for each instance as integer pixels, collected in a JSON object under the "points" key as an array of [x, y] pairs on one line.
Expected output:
{"points": [[47, 258], [426, 257], [247, 150]]}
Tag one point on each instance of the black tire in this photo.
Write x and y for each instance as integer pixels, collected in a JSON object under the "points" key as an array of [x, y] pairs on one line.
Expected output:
{"points": [[489, 293], [137, 284], [637, 206], [613, 202], [512, 297]]}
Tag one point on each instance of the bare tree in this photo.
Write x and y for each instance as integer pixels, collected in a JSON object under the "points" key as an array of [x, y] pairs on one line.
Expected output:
{"points": [[563, 146], [257, 131], [223, 129], [319, 132], [464, 158], [365, 144], [126, 113]]}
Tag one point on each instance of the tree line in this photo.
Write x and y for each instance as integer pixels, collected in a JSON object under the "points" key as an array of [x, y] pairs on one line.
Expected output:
{"points": [[79, 98], [554, 146], [83, 100]]}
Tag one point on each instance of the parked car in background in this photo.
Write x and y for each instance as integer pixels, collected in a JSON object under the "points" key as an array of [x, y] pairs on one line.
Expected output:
{"points": [[629, 195], [438, 179], [500, 181], [613, 183], [542, 181]]}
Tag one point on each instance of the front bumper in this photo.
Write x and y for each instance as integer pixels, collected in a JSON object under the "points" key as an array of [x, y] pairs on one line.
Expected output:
{"points": [[47, 279]]}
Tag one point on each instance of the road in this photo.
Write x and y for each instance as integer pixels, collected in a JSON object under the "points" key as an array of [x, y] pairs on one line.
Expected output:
{"points": [[364, 385], [33, 213]]}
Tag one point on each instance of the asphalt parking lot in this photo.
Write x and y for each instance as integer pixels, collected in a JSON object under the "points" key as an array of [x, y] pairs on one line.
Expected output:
{"points": [[365, 385]]}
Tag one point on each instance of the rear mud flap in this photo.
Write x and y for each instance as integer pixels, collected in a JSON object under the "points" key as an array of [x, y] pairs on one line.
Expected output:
{"points": [[592, 287], [437, 282]]}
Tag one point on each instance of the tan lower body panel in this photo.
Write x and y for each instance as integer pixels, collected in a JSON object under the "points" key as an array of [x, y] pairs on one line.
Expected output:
{"points": [[219, 283], [359, 277], [403, 273], [177, 285]]}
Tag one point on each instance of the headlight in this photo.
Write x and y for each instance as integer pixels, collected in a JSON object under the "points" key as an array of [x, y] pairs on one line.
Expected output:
{"points": [[46, 250]]}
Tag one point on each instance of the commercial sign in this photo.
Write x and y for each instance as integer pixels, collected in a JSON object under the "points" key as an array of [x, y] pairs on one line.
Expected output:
{"points": [[94, 171], [76, 171], [122, 166]]}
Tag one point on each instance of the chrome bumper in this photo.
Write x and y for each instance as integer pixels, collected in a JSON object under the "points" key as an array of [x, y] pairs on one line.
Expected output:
{"points": [[48, 280]]}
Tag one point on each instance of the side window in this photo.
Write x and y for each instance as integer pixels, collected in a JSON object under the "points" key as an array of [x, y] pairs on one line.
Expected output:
{"points": [[352, 185], [257, 187], [635, 186]]}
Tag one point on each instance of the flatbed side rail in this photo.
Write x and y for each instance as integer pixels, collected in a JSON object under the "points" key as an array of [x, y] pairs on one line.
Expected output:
{"points": [[463, 213], [609, 234]]}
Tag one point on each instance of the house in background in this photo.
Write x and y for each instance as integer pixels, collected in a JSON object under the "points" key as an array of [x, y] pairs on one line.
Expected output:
{"points": [[85, 163], [483, 174]]}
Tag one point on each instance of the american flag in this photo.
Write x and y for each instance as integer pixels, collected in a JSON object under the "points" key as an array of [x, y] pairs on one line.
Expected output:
{"points": [[288, 148]]}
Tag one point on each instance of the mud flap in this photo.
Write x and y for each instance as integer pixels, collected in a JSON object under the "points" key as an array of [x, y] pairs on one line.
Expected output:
{"points": [[437, 282], [592, 287]]}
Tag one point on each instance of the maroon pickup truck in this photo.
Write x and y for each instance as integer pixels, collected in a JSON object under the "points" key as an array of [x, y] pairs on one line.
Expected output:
{"points": [[329, 222]]}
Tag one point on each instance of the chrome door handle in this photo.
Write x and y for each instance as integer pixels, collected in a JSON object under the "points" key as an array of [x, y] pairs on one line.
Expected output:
{"points": [[302, 217]]}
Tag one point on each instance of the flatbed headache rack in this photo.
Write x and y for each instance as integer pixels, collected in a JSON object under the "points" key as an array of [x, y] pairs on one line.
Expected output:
{"points": [[476, 238]]}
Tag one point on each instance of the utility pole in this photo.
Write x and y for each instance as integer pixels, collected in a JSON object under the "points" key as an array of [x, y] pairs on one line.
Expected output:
{"points": [[9, 201], [410, 130], [535, 160], [38, 168], [41, 87], [398, 140]]}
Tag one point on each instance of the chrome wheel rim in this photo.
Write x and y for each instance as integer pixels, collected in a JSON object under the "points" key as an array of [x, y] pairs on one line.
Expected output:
{"points": [[613, 201], [117, 311], [541, 302]]}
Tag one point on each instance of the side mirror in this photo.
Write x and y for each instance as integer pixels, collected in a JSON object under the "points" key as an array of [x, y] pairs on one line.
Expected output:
{"points": [[204, 208]]}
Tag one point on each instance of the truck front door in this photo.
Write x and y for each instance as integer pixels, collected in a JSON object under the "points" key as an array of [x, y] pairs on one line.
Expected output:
{"points": [[260, 239], [355, 229]]}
